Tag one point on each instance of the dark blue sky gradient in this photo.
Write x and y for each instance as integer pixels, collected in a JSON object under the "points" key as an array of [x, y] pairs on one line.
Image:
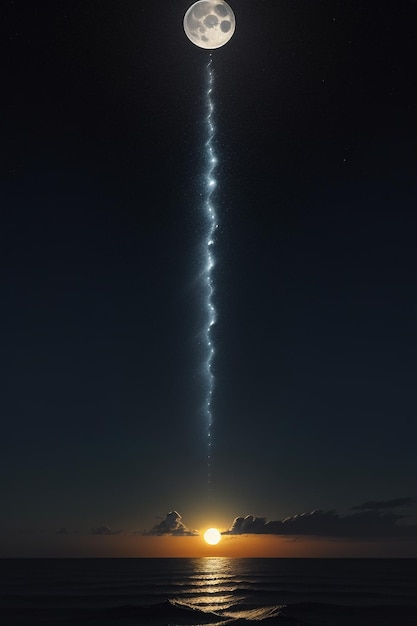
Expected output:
{"points": [[100, 191]]}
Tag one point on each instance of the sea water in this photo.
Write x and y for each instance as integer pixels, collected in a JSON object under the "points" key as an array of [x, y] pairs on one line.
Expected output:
{"points": [[213, 591]]}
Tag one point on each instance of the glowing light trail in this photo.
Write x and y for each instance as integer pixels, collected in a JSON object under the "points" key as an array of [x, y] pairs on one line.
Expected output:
{"points": [[209, 260]]}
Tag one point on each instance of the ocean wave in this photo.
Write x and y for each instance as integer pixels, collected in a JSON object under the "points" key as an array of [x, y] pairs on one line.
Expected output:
{"points": [[239, 613], [169, 613], [182, 613]]}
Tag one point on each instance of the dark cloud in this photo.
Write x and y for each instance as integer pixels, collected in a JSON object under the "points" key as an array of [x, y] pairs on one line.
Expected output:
{"points": [[63, 531], [376, 505], [104, 530], [171, 525], [362, 524]]}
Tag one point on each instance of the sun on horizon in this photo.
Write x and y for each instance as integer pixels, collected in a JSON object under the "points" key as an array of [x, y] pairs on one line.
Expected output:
{"points": [[212, 536]]}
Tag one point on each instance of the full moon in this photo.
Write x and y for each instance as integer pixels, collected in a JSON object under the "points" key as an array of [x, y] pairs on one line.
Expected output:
{"points": [[212, 536], [209, 24]]}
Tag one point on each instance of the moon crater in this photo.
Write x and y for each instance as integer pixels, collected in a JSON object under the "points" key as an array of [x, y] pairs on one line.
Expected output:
{"points": [[221, 10], [209, 24], [211, 21]]}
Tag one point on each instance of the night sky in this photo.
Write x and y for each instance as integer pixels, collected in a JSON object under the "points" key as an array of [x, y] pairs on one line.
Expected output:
{"points": [[101, 223]]}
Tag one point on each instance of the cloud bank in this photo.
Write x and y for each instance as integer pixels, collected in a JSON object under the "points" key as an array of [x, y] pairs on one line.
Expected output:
{"points": [[370, 520], [171, 525]]}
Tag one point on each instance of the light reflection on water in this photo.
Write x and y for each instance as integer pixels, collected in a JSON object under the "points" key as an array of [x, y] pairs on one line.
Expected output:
{"points": [[215, 587], [218, 587]]}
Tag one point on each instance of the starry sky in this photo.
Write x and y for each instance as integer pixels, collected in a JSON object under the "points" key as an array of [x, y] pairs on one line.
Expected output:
{"points": [[101, 224]]}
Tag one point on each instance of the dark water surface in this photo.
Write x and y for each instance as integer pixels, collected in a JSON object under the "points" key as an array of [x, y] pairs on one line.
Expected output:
{"points": [[337, 592]]}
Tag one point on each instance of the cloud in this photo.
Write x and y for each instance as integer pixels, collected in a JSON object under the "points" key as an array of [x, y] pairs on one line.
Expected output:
{"points": [[104, 530], [383, 504], [365, 523], [171, 525]]}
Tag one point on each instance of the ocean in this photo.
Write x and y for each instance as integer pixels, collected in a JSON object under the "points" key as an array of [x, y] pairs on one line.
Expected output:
{"points": [[210, 591]]}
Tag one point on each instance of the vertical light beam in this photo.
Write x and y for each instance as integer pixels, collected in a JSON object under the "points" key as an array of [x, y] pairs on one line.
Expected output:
{"points": [[209, 259]]}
